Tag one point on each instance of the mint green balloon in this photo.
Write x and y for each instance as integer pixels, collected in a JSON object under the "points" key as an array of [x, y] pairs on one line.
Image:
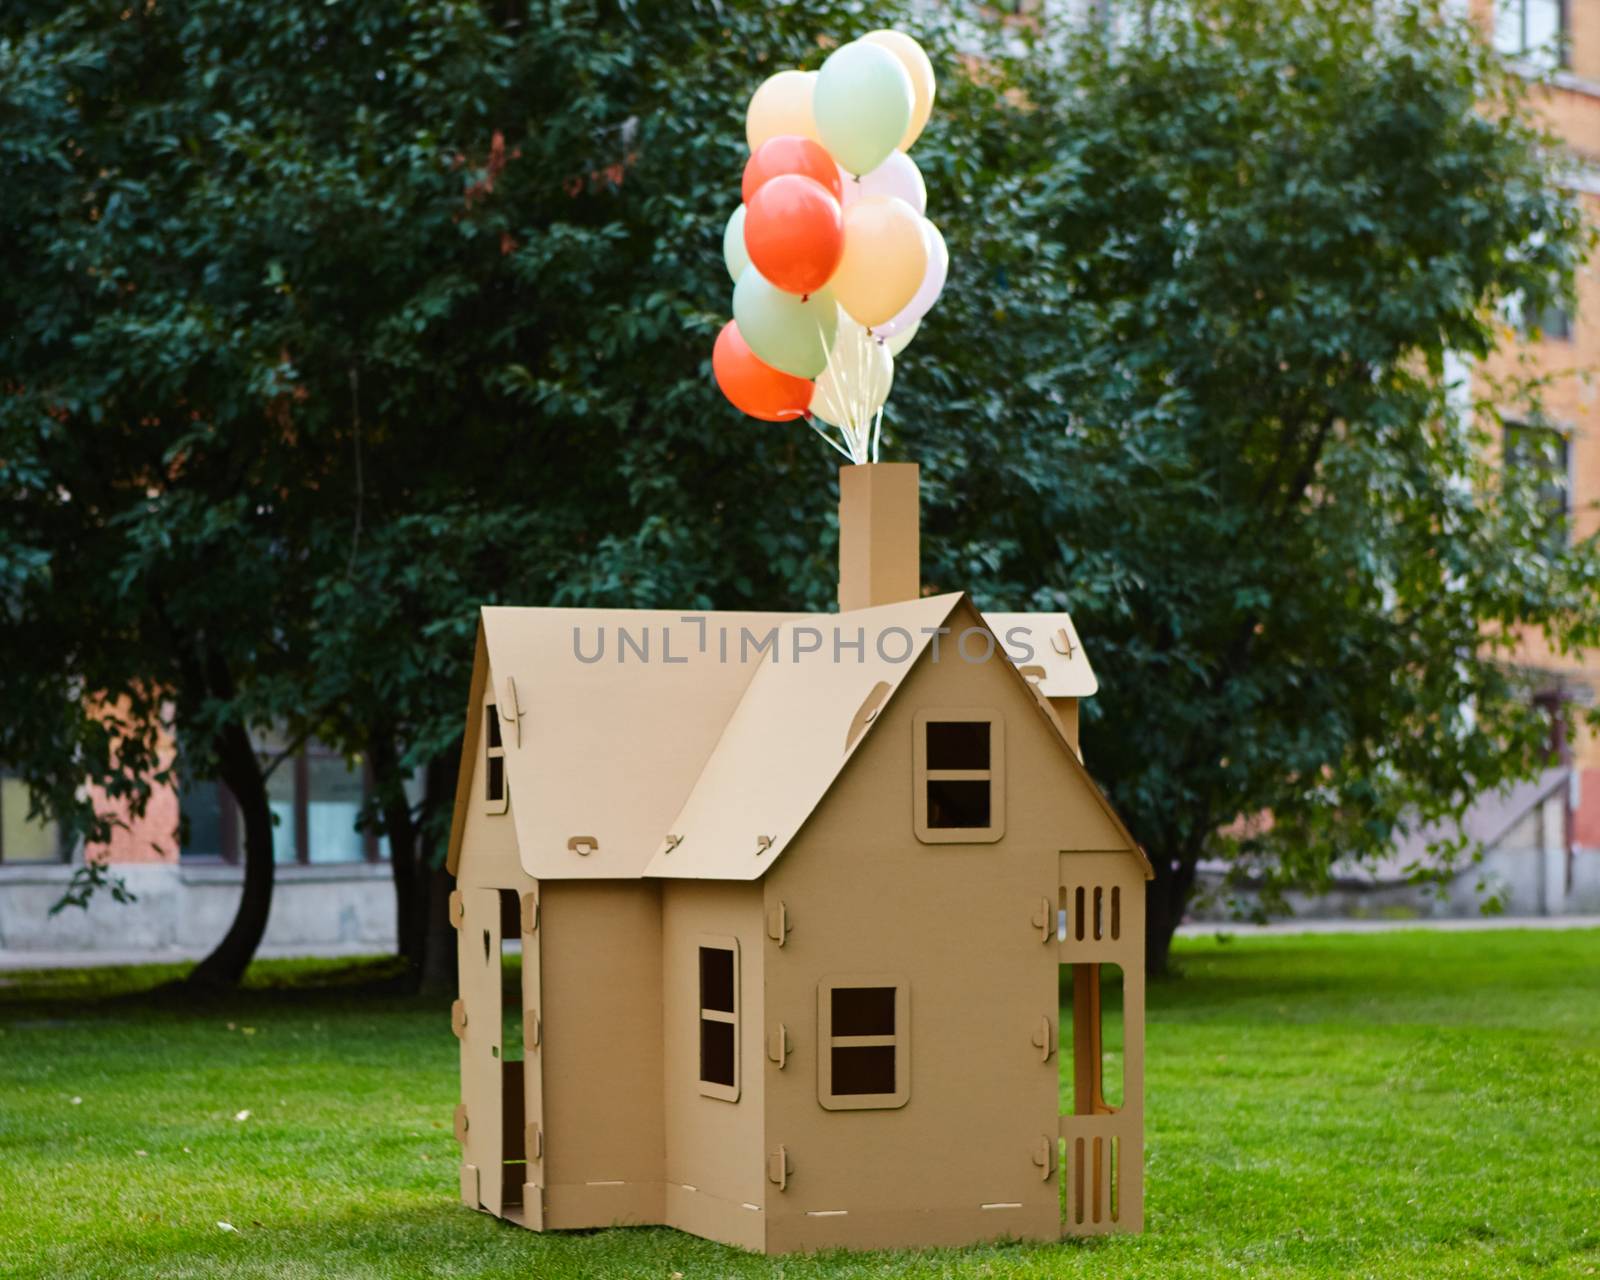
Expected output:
{"points": [[733, 250], [785, 330], [862, 105]]}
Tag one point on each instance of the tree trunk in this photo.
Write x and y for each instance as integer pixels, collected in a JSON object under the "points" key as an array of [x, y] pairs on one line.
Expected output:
{"points": [[439, 962], [405, 855], [439, 958], [240, 771], [1166, 899]]}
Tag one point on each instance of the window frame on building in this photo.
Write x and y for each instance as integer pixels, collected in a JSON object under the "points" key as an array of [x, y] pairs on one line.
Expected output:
{"points": [[723, 1090], [63, 850], [1558, 491], [899, 1039], [295, 832], [1509, 33], [926, 773], [495, 801]]}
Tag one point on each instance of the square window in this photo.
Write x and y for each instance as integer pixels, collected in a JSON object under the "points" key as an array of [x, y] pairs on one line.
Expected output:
{"points": [[863, 1069], [863, 1011], [955, 804], [958, 744]]}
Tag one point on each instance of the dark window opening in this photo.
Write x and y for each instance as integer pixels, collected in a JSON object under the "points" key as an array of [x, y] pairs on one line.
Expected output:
{"points": [[958, 744], [497, 778], [953, 803], [716, 979], [863, 1069], [716, 1052], [863, 1011]]}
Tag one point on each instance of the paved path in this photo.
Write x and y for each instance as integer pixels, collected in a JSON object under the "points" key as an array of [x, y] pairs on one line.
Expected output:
{"points": [[15, 961], [1449, 924], [18, 961]]}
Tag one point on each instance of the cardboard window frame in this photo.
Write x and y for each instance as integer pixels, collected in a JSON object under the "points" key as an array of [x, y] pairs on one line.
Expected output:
{"points": [[900, 1040], [994, 775], [710, 1088], [491, 803]]}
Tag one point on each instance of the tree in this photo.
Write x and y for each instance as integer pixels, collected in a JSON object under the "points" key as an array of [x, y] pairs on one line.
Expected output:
{"points": [[449, 275], [1306, 578]]}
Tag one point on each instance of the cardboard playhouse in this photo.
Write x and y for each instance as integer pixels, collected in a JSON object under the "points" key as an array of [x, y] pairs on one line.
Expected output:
{"points": [[792, 895]]}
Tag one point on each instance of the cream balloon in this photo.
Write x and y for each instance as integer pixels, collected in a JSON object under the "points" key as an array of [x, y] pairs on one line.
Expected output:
{"points": [[900, 341], [782, 105], [885, 259], [734, 254], [928, 291], [854, 386], [917, 66]]}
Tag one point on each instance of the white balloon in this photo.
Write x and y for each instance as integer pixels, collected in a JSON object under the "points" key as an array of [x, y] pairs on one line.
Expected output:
{"points": [[896, 176], [857, 381], [928, 291], [898, 342], [733, 250]]}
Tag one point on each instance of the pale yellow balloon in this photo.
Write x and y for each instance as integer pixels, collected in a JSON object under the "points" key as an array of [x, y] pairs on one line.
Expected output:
{"points": [[781, 106], [885, 258], [917, 66]]}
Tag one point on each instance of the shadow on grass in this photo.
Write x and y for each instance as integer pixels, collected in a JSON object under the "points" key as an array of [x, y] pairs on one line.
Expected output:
{"points": [[269, 984]]}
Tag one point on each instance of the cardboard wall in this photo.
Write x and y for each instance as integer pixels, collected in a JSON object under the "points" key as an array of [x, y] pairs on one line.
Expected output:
{"points": [[971, 928], [715, 1185], [600, 955]]}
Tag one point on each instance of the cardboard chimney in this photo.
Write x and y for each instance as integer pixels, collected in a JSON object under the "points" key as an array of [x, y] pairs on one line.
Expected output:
{"points": [[761, 919]]}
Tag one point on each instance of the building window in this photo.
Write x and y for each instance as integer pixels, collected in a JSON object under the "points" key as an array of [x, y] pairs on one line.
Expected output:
{"points": [[719, 1018], [1534, 31], [316, 798], [1553, 324], [1543, 456], [25, 839], [958, 763], [863, 1043], [496, 799]]}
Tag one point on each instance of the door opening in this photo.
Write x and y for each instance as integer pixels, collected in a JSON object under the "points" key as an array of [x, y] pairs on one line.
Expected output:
{"points": [[509, 1049]]}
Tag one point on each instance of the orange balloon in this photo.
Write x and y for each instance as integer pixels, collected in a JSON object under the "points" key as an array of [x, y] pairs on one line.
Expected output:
{"points": [[794, 233], [788, 154], [756, 388]]}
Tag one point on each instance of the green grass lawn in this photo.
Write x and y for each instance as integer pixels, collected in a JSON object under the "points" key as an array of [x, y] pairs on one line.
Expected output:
{"points": [[1382, 1105]]}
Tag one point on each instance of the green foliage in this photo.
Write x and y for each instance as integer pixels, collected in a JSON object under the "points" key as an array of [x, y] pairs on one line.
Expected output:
{"points": [[1413, 1104], [326, 324]]}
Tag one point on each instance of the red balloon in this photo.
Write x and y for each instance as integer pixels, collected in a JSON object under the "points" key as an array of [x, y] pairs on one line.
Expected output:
{"points": [[794, 233], [789, 154], [756, 388]]}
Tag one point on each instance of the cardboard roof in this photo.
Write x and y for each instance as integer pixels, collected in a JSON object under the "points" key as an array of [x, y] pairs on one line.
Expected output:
{"points": [[1057, 651], [796, 729], [791, 736], [695, 725], [640, 722]]}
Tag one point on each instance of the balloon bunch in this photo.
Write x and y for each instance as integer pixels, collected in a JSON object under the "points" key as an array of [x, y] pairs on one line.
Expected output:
{"points": [[833, 263]]}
